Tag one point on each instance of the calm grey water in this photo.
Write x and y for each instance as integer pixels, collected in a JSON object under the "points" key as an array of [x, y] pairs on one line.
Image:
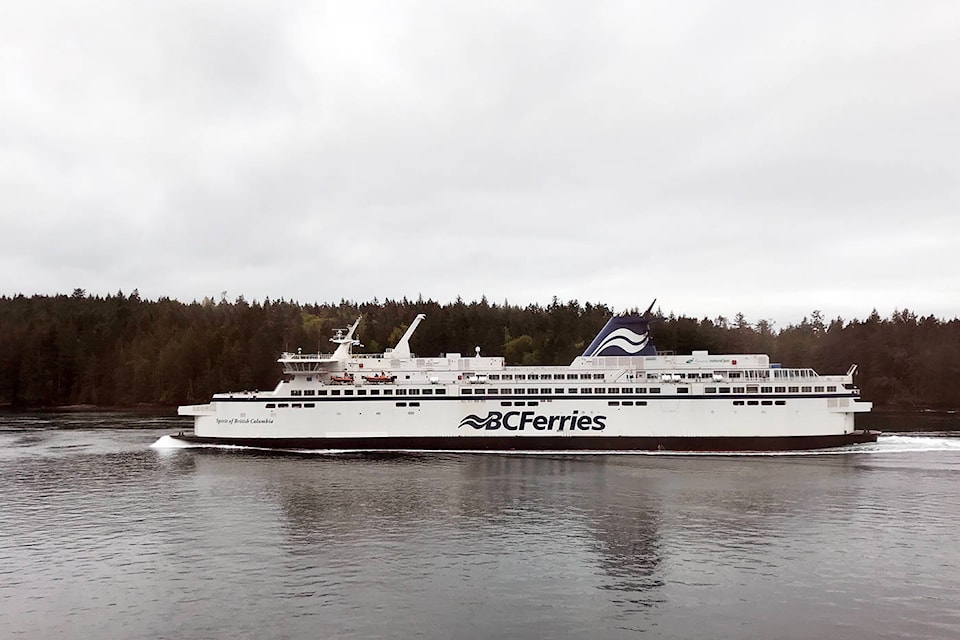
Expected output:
{"points": [[103, 536]]}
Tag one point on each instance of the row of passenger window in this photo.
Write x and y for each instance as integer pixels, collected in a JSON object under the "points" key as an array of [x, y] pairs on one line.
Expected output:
{"points": [[311, 405], [435, 391], [482, 391], [612, 403], [546, 376], [755, 389]]}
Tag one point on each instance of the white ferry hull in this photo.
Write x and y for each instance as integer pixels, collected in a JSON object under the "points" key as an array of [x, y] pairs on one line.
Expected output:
{"points": [[619, 396], [572, 425]]}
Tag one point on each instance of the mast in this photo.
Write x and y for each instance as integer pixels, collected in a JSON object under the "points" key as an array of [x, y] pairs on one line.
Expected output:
{"points": [[346, 342], [402, 350]]}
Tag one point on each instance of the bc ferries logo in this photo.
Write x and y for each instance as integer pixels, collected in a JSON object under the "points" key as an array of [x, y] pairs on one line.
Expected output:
{"points": [[629, 341], [522, 420]]}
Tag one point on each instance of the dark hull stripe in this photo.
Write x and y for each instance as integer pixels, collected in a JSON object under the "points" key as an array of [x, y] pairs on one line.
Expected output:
{"points": [[572, 444]]}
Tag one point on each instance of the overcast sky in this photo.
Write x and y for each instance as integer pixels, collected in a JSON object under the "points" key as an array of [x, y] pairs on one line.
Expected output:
{"points": [[721, 157]]}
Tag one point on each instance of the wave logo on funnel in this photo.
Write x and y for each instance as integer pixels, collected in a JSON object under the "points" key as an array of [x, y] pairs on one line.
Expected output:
{"points": [[623, 339], [623, 336]]}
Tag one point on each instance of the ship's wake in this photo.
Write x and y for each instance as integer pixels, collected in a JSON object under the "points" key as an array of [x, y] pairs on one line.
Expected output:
{"points": [[886, 444]]}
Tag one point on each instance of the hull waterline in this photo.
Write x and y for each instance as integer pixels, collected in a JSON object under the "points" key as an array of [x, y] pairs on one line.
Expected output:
{"points": [[576, 445]]}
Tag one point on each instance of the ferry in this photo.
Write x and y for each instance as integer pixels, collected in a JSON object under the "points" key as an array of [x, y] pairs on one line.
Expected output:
{"points": [[620, 395]]}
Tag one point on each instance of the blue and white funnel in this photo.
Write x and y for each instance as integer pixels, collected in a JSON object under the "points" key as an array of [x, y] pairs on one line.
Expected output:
{"points": [[624, 336]]}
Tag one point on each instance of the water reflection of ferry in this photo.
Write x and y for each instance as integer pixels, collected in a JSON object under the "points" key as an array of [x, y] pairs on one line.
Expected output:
{"points": [[615, 521], [618, 396]]}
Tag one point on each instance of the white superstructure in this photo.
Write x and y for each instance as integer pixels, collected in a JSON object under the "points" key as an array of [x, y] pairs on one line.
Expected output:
{"points": [[627, 401]]}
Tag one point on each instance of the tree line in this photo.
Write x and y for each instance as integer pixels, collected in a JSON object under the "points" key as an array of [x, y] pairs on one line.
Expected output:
{"points": [[121, 351]]}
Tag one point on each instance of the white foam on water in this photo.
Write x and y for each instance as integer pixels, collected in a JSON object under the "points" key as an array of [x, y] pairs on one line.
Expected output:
{"points": [[915, 444], [172, 442], [169, 442]]}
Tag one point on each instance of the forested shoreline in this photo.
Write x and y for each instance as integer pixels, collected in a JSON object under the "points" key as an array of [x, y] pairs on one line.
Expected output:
{"points": [[123, 351]]}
